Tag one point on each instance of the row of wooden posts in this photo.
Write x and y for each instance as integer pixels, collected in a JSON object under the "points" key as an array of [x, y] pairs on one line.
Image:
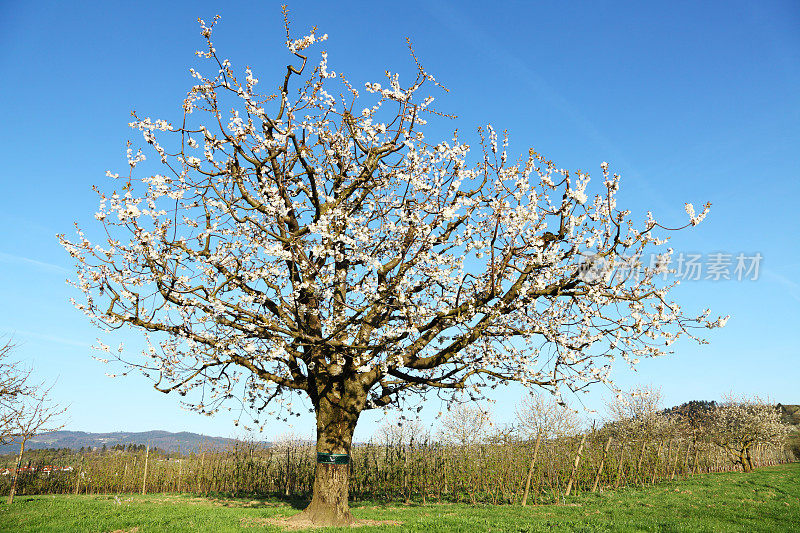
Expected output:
{"points": [[495, 473]]}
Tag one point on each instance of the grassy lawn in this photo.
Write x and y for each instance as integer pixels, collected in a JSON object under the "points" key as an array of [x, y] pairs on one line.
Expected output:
{"points": [[765, 500]]}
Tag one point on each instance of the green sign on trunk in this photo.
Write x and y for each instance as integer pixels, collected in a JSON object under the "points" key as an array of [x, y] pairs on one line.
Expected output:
{"points": [[333, 458]]}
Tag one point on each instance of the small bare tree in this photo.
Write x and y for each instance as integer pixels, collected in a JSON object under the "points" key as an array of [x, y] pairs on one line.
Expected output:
{"points": [[639, 414], [466, 424], [13, 386], [26, 409], [401, 431], [540, 414], [289, 439]]}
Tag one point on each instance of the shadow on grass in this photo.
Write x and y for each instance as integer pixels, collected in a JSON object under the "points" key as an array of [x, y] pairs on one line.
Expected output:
{"points": [[295, 502], [249, 500]]}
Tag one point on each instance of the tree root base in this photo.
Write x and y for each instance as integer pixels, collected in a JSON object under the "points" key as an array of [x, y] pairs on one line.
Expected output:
{"points": [[322, 516], [301, 521]]}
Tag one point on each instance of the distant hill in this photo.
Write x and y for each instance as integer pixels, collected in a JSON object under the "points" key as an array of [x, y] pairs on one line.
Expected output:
{"points": [[790, 414], [171, 442]]}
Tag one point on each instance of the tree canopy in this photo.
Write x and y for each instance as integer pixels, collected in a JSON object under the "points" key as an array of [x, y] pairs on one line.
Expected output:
{"points": [[313, 240]]}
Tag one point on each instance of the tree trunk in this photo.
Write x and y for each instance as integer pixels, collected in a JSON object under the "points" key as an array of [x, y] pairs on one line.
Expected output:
{"points": [[335, 426], [743, 460], [749, 459]]}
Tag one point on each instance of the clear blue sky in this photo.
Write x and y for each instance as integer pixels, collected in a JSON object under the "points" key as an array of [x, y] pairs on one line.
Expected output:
{"points": [[690, 102]]}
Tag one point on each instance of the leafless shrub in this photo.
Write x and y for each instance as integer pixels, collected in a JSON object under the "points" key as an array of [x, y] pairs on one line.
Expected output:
{"points": [[537, 414], [465, 424]]}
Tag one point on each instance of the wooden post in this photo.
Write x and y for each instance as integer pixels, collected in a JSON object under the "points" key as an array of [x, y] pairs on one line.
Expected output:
{"points": [[16, 472], [288, 469], [657, 463], [80, 472], [201, 475], [481, 469], [144, 477], [639, 462], [619, 466], [422, 464], [600, 468], [530, 469], [669, 458], [575, 466], [406, 472], [686, 459], [675, 464]]}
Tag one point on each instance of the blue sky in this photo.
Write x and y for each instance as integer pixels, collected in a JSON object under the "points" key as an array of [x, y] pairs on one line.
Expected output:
{"points": [[689, 102]]}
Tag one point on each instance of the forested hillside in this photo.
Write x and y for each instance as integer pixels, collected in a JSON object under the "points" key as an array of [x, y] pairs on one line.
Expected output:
{"points": [[165, 440]]}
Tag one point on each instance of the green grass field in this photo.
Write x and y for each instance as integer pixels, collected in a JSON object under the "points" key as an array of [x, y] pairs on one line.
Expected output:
{"points": [[765, 500]]}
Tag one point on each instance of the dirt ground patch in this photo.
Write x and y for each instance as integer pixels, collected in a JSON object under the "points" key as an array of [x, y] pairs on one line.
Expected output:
{"points": [[283, 522], [234, 503]]}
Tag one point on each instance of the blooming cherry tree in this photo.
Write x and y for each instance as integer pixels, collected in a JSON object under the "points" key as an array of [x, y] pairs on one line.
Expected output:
{"points": [[308, 243], [737, 424]]}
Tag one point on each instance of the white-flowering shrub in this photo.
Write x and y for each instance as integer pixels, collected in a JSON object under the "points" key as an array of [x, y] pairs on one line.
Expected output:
{"points": [[738, 424]]}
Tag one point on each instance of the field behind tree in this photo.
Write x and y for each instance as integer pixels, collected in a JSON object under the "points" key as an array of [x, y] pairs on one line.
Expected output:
{"points": [[765, 500]]}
